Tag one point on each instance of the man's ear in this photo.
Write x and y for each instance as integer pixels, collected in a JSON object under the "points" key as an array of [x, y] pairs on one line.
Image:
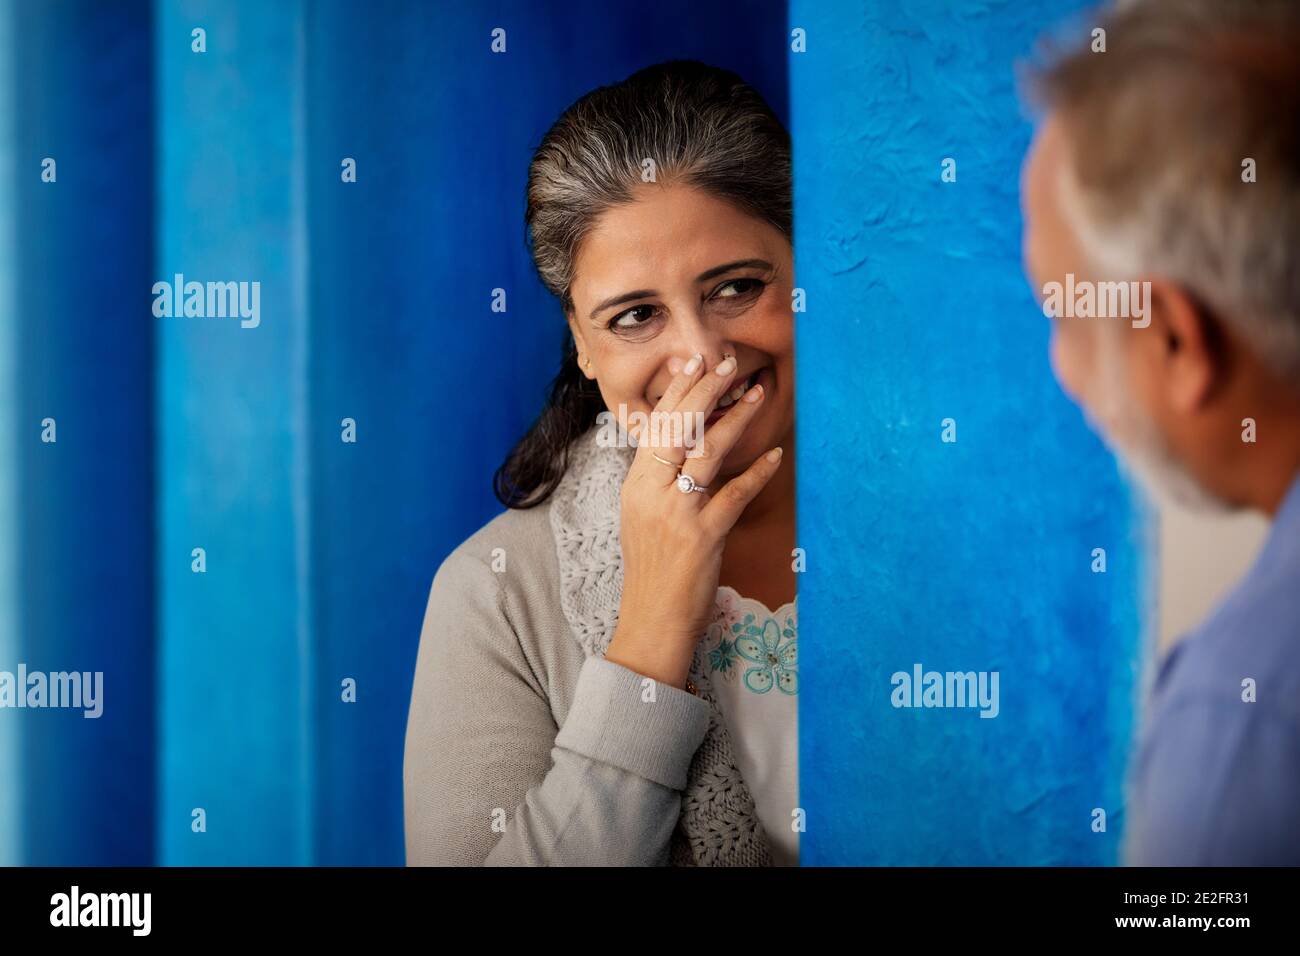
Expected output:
{"points": [[1182, 347]]}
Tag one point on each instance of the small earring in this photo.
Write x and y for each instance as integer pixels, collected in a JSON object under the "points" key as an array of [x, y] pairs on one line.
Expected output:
{"points": [[587, 363]]}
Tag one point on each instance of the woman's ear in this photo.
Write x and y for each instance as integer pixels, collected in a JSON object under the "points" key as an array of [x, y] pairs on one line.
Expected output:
{"points": [[579, 341]]}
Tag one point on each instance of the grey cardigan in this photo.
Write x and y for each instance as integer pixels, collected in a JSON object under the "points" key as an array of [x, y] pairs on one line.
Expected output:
{"points": [[524, 746]]}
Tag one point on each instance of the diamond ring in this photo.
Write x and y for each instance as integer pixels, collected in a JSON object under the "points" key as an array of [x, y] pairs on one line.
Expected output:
{"points": [[686, 484]]}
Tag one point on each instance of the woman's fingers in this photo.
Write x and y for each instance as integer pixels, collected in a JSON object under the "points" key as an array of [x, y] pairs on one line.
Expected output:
{"points": [[685, 423], [705, 459], [724, 509], [701, 399], [660, 438], [681, 384], [676, 424]]}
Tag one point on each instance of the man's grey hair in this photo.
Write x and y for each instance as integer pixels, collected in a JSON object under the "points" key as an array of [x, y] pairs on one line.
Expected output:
{"points": [[1189, 101]]}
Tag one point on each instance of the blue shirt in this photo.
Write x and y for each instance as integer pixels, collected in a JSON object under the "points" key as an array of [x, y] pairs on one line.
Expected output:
{"points": [[1216, 779]]}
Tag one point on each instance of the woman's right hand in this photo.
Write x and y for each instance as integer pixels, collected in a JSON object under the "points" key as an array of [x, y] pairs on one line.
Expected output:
{"points": [[672, 541]]}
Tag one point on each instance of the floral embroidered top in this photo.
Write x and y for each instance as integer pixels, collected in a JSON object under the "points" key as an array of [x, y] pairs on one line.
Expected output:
{"points": [[753, 659]]}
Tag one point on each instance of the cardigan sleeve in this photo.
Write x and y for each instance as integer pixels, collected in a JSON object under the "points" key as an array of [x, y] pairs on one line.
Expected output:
{"points": [[490, 779]]}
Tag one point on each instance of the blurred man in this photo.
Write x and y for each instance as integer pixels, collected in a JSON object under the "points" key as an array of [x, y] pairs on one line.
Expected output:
{"points": [[1164, 184]]}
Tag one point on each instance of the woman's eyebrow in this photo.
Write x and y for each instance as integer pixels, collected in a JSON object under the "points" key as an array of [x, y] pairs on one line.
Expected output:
{"points": [[620, 299], [738, 264], [702, 277]]}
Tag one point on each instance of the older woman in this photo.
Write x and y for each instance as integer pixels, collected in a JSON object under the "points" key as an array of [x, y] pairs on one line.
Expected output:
{"points": [[608, 671]]}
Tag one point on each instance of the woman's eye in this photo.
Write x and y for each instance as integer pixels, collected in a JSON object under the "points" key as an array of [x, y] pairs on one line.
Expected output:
{"points": [[633, 318], [737, 287]]}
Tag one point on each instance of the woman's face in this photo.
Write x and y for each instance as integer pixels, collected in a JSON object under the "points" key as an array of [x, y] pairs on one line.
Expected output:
{"points": [[675, 272]]}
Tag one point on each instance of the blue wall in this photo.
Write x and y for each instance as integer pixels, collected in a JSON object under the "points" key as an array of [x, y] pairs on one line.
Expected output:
{"points": [[970, 555], [223, 688], [78, 590], [179, 433], [11, 806], [402, 268], [235, 681]]}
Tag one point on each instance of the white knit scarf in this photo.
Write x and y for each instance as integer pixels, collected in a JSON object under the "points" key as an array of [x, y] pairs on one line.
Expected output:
{"points": [[718, 825]]}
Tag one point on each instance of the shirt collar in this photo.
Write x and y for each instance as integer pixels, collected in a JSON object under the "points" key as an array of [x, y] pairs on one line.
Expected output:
{"points": [[1288, 513], [1284, 534]]}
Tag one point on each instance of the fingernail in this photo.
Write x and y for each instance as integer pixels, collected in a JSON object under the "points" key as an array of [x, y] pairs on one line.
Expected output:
{"points": [[727, 366], [754, 394], [775, 454], [674, 365], [691, 366]]}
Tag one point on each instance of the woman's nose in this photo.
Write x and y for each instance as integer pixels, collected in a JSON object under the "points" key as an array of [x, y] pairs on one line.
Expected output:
{"points": [[711, 358], [702, 340]]}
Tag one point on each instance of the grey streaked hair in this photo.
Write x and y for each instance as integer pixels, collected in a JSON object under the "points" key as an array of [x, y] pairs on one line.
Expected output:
{"points": [[700, 125], [1159, 127]]}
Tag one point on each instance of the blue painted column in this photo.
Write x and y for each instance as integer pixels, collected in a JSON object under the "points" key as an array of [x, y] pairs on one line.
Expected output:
{"points": [[970, 555], [76, 572], [234, 681]]}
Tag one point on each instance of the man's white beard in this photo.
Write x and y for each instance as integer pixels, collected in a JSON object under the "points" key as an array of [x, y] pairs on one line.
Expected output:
{"points": [[1135, 440]]}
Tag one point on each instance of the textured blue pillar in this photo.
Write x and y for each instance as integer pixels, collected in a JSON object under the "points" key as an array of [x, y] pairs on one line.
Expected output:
{"points": [[971, 555], [76, 576]]}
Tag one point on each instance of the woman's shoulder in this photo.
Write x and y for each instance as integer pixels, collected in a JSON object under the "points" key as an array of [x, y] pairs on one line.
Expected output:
{"points": [[511, 558], [519, 532], [496, 597]]}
